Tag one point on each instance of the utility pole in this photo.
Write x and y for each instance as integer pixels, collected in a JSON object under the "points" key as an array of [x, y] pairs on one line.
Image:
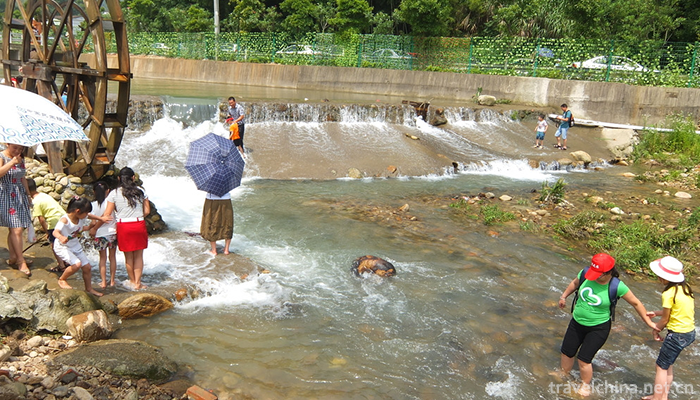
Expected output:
{"points": [[216, 18]]}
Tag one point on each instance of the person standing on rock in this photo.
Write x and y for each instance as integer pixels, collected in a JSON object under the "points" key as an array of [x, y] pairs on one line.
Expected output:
{"points": [[596, 290], [236, 115], [15, 203], [130, 205], [563, 127], [217, 221]]}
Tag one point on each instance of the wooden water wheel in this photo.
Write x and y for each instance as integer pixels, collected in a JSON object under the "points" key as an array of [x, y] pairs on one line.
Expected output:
{"points": [[60, 49]]}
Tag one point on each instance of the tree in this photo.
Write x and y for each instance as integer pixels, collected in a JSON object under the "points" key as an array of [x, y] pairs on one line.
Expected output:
{"points": [[247, 16], [300, 16], [352, 16], [426, 17], [382, 24]]}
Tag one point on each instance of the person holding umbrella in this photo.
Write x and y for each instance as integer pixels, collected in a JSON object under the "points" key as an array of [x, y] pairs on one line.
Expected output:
{"points": [[217, 221], [15, 203], [216, 167]]}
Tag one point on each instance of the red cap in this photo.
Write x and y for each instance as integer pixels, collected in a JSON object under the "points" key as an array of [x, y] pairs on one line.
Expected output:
{"points": [[600, 264]]}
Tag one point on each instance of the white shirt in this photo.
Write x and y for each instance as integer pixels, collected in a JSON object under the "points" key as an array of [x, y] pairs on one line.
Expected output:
{"points": [[108, 228]]}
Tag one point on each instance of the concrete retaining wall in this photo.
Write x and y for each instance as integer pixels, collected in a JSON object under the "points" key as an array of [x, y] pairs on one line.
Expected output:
{"points": [[609, 102]]}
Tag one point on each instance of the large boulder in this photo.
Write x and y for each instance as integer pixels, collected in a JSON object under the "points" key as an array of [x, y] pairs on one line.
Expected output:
{"points": [[43, 309], [129, 358], [90, 326], [581, 156], [143, 305]]}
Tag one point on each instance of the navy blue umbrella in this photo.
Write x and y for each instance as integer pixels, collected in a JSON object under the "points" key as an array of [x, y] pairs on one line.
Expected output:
{"points": [[215, 164]]}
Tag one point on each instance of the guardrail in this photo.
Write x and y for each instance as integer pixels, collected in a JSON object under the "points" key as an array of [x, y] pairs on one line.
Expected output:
{"points": [[653, 63]]}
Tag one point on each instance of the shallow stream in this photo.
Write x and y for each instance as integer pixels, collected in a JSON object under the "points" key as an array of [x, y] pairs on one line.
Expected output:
{"points": [[469, 315]]}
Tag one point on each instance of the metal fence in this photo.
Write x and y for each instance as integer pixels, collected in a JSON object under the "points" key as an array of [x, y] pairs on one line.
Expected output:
{"points": [[654, 63]]}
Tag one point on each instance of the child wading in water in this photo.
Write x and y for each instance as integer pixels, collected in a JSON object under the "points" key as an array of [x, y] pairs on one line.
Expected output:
{"points": [[104, 234], [540, 129], [68, 247], [678, 316]]}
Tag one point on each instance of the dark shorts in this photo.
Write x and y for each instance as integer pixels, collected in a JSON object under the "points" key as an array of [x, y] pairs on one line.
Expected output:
{"points": [[586, 340], [51, 236], [238, 142], [672, 347]]}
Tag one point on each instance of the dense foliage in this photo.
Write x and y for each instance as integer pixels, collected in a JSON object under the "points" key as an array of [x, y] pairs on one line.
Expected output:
{"points": [[665, 20]]}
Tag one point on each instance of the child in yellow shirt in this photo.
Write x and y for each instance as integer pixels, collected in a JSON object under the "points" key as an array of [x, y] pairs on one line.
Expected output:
{"points": [[48, 212], [678, 316]]}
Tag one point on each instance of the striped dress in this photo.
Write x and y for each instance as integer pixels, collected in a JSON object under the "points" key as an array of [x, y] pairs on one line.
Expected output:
{"points": [[14, 203]]}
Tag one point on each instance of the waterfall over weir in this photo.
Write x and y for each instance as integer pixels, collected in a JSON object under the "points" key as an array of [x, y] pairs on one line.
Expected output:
{"points": [[326, 140]]}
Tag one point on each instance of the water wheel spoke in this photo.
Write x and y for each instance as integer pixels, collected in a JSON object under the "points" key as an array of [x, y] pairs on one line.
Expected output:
{"points": [[49, 58], [28, 25]]}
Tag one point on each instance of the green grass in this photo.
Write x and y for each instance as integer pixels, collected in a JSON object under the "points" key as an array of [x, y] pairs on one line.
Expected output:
{"points": [[553, 194], [634, 244], [678, 148], [493, 215]]}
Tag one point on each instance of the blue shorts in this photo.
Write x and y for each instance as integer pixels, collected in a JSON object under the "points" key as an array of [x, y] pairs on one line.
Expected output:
{"points": [[672, 347], [561, 132], [540, 136]]}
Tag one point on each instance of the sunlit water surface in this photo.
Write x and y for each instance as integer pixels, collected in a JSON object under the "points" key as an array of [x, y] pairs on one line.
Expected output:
{"points": [[469, 315]]}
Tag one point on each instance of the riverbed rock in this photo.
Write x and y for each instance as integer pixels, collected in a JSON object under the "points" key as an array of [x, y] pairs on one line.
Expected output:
{"points": [[486, 100], [438, 118], [374, 265], [47, 310], [505, 197], [90, 326], [581, 156], [143, 305], [354, 173], [122, 357], [617, 211], [683, 195], [629, 175]]}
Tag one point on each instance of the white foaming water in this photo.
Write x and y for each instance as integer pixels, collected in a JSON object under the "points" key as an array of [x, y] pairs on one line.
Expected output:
{"points": [[513, 169]]}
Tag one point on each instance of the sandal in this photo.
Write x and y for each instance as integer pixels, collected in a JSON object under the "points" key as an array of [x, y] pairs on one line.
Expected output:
{"points": [[56, 268]]}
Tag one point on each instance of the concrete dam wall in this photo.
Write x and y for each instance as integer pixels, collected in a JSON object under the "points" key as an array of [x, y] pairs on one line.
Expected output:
{"points": [[601, 101]]}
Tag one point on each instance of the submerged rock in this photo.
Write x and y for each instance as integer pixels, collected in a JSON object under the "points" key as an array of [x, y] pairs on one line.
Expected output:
{"points": [[374, 265]]}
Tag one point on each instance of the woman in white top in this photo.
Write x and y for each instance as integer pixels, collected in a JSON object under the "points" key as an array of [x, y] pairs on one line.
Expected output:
{"points": [[130, 206]]}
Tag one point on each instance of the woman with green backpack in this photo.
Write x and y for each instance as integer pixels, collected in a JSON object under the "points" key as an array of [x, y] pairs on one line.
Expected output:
{"points": [[596, 289]]}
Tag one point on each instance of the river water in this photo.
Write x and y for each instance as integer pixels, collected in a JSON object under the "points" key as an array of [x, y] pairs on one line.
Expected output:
{"points": [[469, 316]]}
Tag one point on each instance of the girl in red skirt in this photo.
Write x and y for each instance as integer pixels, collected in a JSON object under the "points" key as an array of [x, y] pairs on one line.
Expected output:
{"points": [[130, 205]]}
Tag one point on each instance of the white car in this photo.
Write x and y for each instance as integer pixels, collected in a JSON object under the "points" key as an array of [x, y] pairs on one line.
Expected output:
{"points": [[305, 49], [389, 54], [617, 63]]}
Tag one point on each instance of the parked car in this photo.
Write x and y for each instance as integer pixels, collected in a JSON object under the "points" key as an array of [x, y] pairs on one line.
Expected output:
{"points": [[617, 63], [305, 49], [390, 58]]}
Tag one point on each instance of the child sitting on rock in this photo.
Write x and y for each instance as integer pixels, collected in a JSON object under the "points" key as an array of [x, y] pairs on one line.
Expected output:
{"points": [[48, 211], [68, 247]]}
